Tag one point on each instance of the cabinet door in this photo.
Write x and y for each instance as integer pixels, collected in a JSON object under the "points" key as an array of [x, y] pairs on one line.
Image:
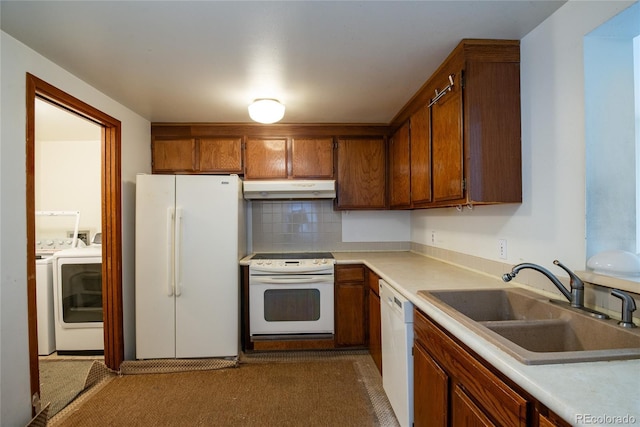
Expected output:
{"points": [[361, 173], [222, 155], [266, 158], [447, 143], [545, 422], [350, 325], [375, 319], [173, 155], [551, 421], [400, 175], [430, 391], [421, 157], [350, 304], [465, 413], [375, 335], [312, 158]]}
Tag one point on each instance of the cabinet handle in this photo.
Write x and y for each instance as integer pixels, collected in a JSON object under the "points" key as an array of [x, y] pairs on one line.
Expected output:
{"points": [[440, 94]]}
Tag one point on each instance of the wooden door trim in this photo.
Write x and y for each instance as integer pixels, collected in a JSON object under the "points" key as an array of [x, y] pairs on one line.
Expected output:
{"points": [[111, 222]]}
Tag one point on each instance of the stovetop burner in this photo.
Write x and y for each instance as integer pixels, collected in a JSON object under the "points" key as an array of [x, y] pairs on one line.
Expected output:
{"points": [[294, 255]]}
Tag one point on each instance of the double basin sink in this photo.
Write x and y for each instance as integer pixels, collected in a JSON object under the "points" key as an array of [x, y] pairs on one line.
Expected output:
{"points": [[534, 329]]}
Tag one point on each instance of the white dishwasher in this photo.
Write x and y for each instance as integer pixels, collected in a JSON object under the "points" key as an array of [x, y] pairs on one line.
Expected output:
{"points": [[397, 362]]}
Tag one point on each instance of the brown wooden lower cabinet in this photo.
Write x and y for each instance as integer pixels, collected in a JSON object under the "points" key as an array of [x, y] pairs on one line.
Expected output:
{"points": [[375, 321], [550, 419], [453, 387], [430, 390], [464, 411], [350, 306]]}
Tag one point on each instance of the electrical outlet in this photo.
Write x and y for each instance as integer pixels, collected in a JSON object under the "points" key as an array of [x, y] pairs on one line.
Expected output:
{"points": [[502, 248], [433, 237]]}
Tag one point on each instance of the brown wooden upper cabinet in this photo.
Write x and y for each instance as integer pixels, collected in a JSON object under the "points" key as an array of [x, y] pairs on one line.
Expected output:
{"points": [[410, 162], [464, 130], [447, 138], [283, 158], [400, 173], [222, 155], [197, 155], [420, 146], [312, 158], [266, 158], [361, 174]]}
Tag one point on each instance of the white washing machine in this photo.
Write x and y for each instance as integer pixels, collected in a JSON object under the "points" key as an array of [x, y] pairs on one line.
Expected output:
{"points": [[45, 305], [77, 285]]}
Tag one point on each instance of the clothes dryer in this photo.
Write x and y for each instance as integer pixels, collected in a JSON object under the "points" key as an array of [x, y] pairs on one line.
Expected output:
{"points": [[77, 284]]}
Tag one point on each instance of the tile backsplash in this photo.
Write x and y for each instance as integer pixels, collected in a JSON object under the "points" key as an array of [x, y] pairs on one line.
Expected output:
{"points": [[304, 225], [294, 226]]}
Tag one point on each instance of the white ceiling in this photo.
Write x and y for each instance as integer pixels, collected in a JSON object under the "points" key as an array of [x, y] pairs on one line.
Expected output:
{"points": [[204, 61]]}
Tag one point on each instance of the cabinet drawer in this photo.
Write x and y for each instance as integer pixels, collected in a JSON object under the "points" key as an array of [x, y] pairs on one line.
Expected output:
{"points": [[350, 273], [501, 402], [374, 283]]}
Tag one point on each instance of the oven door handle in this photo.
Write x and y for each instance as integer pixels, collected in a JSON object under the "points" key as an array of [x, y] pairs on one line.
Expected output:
{"points": [[268, 271], [289, 280]]}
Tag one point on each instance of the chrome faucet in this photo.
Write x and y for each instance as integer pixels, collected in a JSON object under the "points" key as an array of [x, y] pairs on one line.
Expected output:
{"points": [[575, 295]]}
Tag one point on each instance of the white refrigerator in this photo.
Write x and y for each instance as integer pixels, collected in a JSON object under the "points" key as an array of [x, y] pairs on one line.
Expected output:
{"points": [[189, 239]]}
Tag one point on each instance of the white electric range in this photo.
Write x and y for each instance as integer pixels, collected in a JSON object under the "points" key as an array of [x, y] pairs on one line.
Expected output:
{"points": [[291, 294]]}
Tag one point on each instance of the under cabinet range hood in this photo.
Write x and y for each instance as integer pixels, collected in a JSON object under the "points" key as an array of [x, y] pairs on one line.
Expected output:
{"points": [[288, 189]]}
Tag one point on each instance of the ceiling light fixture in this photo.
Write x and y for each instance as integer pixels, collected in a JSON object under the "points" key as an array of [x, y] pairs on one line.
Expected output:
{"points": [[266, 110]]}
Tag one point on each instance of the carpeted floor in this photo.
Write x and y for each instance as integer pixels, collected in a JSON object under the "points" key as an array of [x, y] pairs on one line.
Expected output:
{"points": [[270, 390], [61, 381]]}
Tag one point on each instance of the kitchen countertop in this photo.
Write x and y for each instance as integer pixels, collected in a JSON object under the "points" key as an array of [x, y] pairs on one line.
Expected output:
{"points": [[585, 393]]}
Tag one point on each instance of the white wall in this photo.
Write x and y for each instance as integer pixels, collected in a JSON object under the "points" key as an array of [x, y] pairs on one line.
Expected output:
{"points": [[16, 61], [550, 222], [68, 178]]}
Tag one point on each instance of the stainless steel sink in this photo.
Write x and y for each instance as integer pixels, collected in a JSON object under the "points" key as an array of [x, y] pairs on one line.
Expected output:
{"points": [[533, 329]]}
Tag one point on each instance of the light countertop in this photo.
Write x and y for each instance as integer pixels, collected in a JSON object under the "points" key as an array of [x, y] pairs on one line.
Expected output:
{"points": [[585, 393]]}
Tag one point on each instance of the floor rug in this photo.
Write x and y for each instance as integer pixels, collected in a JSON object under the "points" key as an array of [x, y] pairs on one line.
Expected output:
{"points": [[61, 381], [315, 392]]}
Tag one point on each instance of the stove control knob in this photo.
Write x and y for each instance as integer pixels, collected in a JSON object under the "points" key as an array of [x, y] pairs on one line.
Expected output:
{"points": [[315, 261]]}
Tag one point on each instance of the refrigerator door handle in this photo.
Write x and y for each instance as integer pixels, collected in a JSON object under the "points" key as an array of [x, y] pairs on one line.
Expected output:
{"points": [[170, 250], [178, 260]]}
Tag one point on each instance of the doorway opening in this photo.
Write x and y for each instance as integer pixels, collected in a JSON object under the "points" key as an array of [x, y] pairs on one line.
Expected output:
{"points": [[68, 253], [110, 190]]}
